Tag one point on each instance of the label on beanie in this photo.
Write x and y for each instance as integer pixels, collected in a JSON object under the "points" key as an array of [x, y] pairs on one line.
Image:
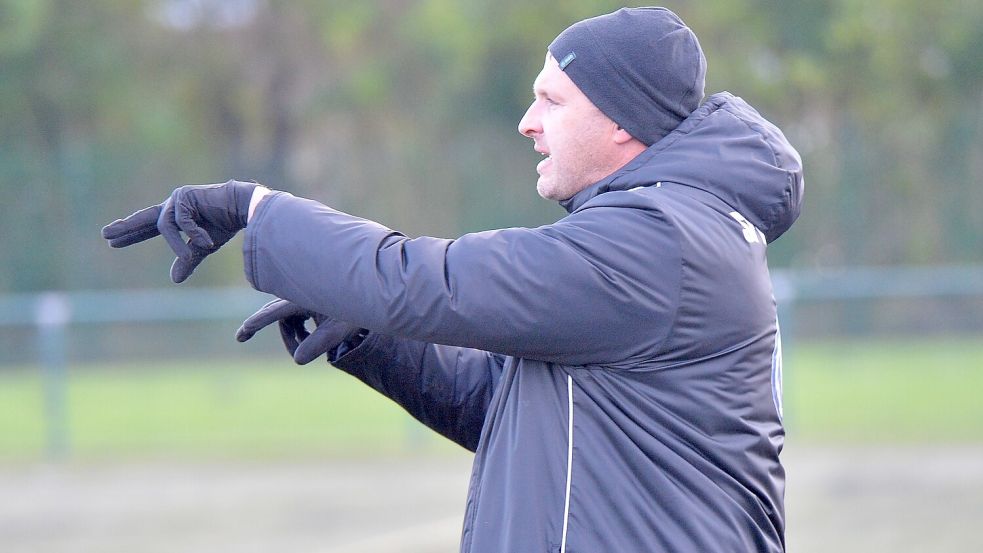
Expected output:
{"points": [[567, 59]]}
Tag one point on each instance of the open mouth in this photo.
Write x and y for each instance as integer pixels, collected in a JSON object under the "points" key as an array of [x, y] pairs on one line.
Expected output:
{"points": [[545, 163]]}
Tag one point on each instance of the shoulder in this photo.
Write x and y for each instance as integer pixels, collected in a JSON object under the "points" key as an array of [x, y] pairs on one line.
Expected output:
{"points": [[630, 232], [639, 197], [620, 214], [642, 208]]}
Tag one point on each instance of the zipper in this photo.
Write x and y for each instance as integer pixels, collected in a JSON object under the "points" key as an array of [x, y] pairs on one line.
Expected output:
{"points": [[566, 501]]}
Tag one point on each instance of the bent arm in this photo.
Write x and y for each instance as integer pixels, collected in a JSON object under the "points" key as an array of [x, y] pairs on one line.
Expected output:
{"points": [[446, 388]]}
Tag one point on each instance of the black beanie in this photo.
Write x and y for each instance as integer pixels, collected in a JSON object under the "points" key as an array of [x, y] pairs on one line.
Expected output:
{"points": [[642, 67]]}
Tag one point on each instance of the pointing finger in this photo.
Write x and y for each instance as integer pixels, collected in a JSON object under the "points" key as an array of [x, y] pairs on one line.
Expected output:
{"points": [[138, 227]]}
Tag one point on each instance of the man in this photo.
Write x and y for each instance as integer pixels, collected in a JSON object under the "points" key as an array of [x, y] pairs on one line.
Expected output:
{"points": [[618, 372]]}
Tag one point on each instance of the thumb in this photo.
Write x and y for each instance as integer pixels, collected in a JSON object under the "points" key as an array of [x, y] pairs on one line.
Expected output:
{"points": [[270, 313], [181, 269], [325, 338]]}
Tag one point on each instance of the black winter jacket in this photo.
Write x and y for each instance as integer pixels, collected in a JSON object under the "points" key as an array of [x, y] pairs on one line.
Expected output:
{"points": [[617, 373]]}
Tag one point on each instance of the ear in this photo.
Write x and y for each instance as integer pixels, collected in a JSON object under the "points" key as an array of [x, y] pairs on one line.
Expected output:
{"points": [[621, 136]]}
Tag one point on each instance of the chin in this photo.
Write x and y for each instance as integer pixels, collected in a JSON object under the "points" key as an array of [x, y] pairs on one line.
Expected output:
{"points": [[550, 190], [547, 192]]}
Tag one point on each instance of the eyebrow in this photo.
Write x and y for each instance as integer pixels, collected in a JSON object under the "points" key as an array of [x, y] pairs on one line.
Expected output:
{"points": [[538, 90]]}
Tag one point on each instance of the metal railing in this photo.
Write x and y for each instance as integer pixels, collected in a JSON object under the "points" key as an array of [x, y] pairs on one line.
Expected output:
{"points": [[52, 314]]}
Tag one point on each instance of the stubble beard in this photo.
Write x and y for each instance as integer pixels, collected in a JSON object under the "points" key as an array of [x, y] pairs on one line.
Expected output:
{"points": [[563, 181]]}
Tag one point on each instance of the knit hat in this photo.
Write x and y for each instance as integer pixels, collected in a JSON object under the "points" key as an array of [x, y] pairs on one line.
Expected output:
{"points": [[642, 67]]}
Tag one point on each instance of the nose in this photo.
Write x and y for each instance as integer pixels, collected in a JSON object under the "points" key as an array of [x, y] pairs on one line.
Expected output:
{"points": [[530, 124]]}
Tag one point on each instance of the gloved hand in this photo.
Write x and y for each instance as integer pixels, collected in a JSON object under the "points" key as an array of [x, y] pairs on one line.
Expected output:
{"points": [[304, 346], [210, 215]]}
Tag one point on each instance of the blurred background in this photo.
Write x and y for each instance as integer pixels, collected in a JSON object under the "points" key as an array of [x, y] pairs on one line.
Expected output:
{"points": [[131, 420]]}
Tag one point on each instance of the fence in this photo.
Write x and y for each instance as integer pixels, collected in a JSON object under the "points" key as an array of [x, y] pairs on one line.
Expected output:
{"points": [[812, 303]]}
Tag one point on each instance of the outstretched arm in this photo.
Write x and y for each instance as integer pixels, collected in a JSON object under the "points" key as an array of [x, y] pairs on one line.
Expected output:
{"points": [[580, 291]]}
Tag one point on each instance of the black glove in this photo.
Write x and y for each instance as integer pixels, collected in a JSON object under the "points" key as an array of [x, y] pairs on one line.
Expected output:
{"points": [[304, 346], [210, 215]]}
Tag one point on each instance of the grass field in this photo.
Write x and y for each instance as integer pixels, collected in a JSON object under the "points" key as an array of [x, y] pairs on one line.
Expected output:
{"points": [[256, 410], [885, 392], [836, 392]]}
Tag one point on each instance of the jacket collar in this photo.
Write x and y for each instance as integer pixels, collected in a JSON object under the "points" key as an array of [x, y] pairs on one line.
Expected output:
{"points": [[727, 149]]}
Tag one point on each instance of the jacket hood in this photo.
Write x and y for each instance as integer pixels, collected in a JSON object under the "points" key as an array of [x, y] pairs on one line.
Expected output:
{"points": [[728, 149]]}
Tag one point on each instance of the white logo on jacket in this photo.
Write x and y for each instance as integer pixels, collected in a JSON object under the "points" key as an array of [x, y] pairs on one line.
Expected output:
{"points": [[751, 233]]}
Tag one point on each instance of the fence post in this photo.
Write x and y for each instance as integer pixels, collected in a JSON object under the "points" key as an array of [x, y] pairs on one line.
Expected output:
{"points": [[52, 315]]}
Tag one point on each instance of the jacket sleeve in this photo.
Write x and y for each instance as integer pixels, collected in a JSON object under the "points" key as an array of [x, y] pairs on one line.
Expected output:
{"points": [[446, 388], [583, 290]]}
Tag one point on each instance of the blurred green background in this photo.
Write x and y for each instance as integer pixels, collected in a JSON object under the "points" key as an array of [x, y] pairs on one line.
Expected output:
{"points": [[404, 111]]}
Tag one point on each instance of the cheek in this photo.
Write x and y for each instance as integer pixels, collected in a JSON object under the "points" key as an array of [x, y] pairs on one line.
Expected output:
{"points": [[557, 128], [572, 135]]}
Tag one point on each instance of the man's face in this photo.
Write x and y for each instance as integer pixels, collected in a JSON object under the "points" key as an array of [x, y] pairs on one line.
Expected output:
{"points": [[571, 131]]}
